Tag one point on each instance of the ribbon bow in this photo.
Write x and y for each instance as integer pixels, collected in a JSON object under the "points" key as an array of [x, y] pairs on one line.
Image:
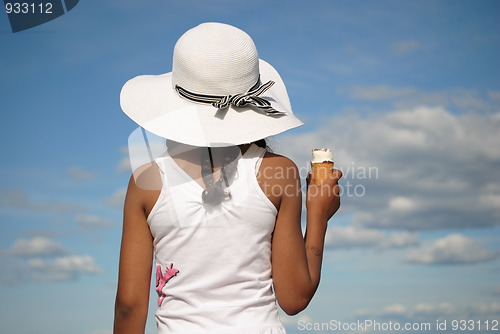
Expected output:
{"points": [[250, 98]]}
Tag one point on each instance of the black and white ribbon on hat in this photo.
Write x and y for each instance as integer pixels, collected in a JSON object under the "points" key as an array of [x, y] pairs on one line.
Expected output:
{"points": [[250, 98]]}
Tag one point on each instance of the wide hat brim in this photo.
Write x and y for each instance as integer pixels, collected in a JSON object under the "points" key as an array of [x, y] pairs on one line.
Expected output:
{"points": [[152, 102]]}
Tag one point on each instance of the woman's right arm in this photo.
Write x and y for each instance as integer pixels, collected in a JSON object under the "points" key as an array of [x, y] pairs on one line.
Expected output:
{"points": [[297, 259], [136, 258]]}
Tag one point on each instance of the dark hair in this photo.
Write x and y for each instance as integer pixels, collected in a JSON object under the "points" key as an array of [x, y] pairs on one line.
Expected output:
{"points": [[262, 143], [215, 193]]}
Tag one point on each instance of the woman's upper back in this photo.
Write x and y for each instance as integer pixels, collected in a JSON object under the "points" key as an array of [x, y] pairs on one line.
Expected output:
{"points": [[276, 176]]}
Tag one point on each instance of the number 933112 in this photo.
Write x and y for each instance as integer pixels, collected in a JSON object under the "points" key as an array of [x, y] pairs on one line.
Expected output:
{"points": [[28, 8]]}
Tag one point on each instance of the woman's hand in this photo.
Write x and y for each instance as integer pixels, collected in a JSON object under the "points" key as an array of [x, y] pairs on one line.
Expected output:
{"points": [[323, 200]]}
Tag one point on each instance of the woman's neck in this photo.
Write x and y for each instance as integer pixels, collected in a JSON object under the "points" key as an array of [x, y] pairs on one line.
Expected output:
{"points": [[192, 153]]}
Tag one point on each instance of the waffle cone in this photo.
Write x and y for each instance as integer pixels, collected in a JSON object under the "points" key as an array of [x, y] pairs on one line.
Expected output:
{"points": [[321, 171]]}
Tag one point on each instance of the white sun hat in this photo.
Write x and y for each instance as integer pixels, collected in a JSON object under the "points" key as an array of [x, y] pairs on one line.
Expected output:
{"points": [[219, 92]]}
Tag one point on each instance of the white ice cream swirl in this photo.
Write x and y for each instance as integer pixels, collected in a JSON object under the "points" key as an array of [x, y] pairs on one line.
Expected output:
{"points": [[320, 155]]}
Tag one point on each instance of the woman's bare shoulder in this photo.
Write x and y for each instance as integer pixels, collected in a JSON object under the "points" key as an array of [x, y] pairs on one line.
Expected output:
{"points": [[279, 168], [278, 160], [144, 188], [147, 177]]}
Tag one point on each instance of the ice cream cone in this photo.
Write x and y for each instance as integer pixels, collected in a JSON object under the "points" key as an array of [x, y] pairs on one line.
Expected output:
{"points": [[321, 164], [321, 171]]}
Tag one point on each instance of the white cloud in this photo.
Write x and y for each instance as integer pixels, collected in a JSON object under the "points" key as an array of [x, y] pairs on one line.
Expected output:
{"points": [[293, 320], [406, 47], [410, 97], [11, 198], [389, 310], [48, 233], [431, 169], [92, 222], [124, 164], [61, 269], [381, 93], [41, 259], [80, 174], [101, 331], [495, 96], [394, 309], [37, 247], [401, 203], [491, 308], [117, 199], [452, 249], [425, 309], [356, 237], [427, 312]]}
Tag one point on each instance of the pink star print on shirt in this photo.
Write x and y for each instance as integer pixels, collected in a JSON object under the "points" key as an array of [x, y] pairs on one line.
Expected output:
{"points": [[162, 279]]}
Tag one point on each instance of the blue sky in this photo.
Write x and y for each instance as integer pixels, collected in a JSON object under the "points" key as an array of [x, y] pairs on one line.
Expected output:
{"points": [[407, 93]]}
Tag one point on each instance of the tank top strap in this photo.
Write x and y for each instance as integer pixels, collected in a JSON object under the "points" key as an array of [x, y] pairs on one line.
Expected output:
{"points": [[252, 158], [162, 165], [171, 173]]}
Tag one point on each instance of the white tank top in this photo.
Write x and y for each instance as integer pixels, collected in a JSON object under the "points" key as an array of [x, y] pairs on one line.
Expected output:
{"points": [[213, 263]]}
